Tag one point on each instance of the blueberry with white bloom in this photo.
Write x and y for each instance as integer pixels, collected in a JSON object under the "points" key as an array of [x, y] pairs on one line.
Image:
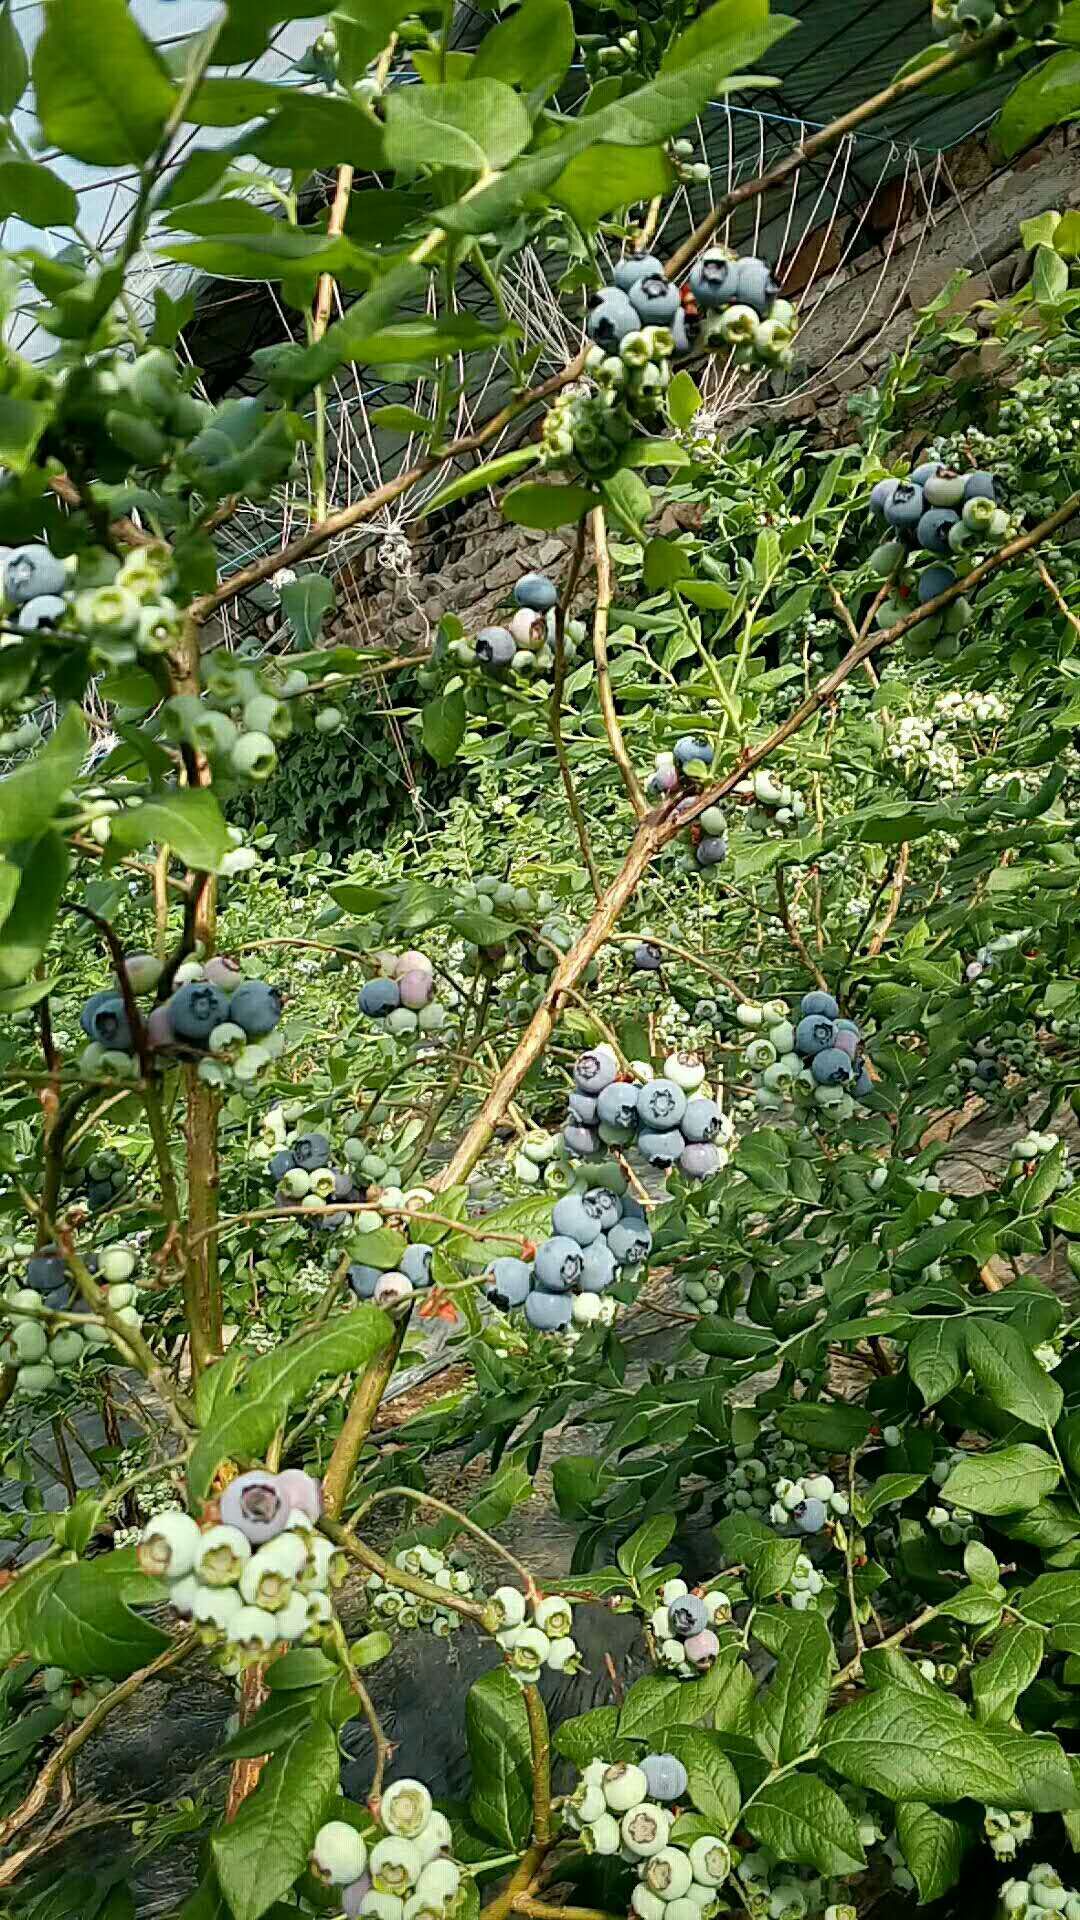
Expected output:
{"points": [[548, 1312], [813, 1034], [634, 267], [558, 1264], [654, 300], [571, 1219], [378, 998], [691, 749], [30, 572], [660, 1149], [624, 1786], [687, 1615], [595, 1070], [714, 280], [630, 1242], [660, 1105], [610, 318], [820, 1002], [416, 1264], [665, 1776], [598, 1269], [536, 591], [617, 1104], [510, 1283]]}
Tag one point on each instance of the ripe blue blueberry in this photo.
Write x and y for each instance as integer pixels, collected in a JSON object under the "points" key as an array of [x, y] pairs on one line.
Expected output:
{"points": [[415, 1264], [610, 318], [378, 997], [598, 1269], [634, 267], [756, 285], [30, 572], [687, 1615], [934, 581], [43, 611], [548, 1312], [702, 1120], [690, 748], [363, 1280], [594, 1071], [654, 300], [311, 1150], [558, 1263], [45, 1270], [811, 1516], [921, 474], [934, 528], [846, 1040], [495, 646], [660, 1105], [536, 591], [280, 1164], [570, 1219], [90, 1007], [863, 1085], [710, 851], [256, 1007], [699, 1160], [616, 1105], [647, 958], [582, 1107], [882, 494], [980, 486], [661, 1149], [831, 1067], [603, 1206], [820, 1002], [665, 1775], [510, 1283], [109, 1024], [630, 1242], [714, 280], [813, 1034], [579, 1141], [904, 507], [196, 1009]]}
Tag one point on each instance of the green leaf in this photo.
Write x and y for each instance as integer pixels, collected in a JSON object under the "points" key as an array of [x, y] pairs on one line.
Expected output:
{"points": [[790, 1712], [314, 130], [588, 1736], [261, 1852], [43, 869], [1043, 98], [607, 177], [497, 1735], [14, 66], [30, 796], [37, 196], [537, 505], [1053, 1600], [802, 1820], [998, 1681], [722, 41], [683, 399], [773, 1567], [643, 1549], [1050, 279], [712, 1783], [1040, 231], [103, 93], [936, 1358], [1006, 1369], [491, 474], [476, 124], [85, 1622], [305, 604], [933, 1844], [442, 726], [835, 1429], [244, 1417], [531, 48], [890, 1490], [300, 1667], [17, 999], [190, 822], [909, 1746], [1012, 1480]]}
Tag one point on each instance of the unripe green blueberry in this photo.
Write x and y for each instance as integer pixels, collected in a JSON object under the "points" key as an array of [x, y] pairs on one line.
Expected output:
{"points": [[329, 720], [254, 757], [395, 1865], [169, 1545], [710, 1860], [624, 1786], [405, 1808], [338, 1855], [221, 1555]]}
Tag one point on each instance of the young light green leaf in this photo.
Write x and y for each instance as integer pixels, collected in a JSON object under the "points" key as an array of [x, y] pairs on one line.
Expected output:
{"points": [[260, 1853], [491, 474], [497, 1735], [244, 1418], [43, 869], [800, 1819], [683, 399], [1044, 97], [442, 726], [37, 196], [103, 93], [190, 822], [1007, 1370], [531, 48], [14, 66], [30, 796], [1012, 1480], [476, 124], [643, 1549]]}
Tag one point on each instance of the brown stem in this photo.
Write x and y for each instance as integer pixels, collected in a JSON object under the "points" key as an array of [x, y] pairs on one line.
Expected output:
{"points": [[1056, 595], [793, 933], [395, 1576], [520, 1881], [324, 293], [67, 1471], [555, 713], [543, 1910], [244, 1777], [603, 673], [383, 1747], [370, 1388], [893, 907], [540, 1743], [35, 1800]]}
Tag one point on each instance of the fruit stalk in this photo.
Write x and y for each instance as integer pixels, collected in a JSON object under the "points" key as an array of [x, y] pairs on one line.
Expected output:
{"points": [[603, 673]]}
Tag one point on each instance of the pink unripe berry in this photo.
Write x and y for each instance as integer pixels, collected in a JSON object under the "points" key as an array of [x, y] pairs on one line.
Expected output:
{"points": [[702, 1648], [159, 1028], [415, 988], [301, 1493], [223, 972]]}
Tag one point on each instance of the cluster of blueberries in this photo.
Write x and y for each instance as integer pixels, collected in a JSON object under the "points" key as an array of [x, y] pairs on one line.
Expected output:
{"points": [[39, 1343], [727, 303], [598, 1237], [390, 1288], [104, 1176], [964, 20], [684, 1627], [820, 1054], [810, 1503], [534, 1633], [391, 1606], [774, 802], [670, 1119], [402, 995], [627, 1811], [1041, 1890], [688, 763], [72, 1696], [940, 512], [259, 1575], [212, 1010], [402, 1868], [526, 644], [239, 721], [129, 617], [307, 1178]]}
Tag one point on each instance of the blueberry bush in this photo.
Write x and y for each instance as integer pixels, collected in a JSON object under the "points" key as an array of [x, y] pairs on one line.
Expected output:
{"points": [[725, 1000]]}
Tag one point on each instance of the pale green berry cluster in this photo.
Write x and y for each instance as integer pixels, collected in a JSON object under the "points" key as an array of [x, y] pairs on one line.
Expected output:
{"points": [[1039, 1892], [1007, 1832], [619, 1811], [809, 1503], [245, 1600], [684, 1627], [72, 1695], [396, 1607], [41, 1338], [805, 1584], [772, 1890], [534, 1633], [402, 1871], [773, 802]]}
